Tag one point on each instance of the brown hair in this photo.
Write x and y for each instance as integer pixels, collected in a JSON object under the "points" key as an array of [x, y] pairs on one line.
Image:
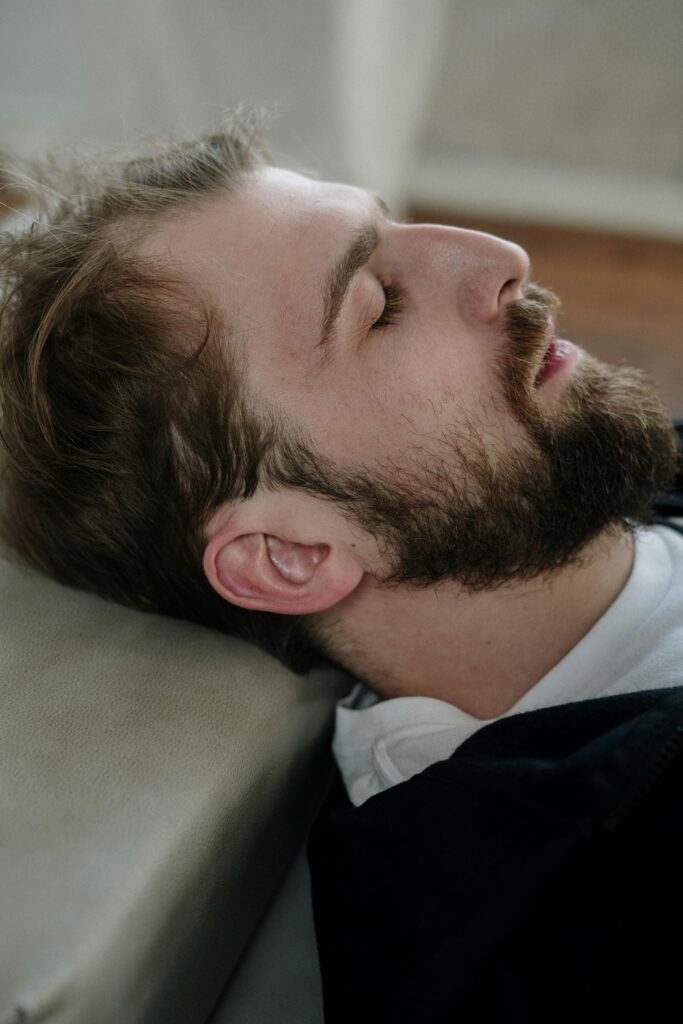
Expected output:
{"points": [[125, 418]]}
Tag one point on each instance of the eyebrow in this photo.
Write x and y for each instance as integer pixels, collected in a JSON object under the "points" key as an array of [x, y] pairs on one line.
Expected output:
{"points": [[363, 244]]}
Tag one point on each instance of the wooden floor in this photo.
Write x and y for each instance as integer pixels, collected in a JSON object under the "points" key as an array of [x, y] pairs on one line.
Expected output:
{"points": [[622, 296]]}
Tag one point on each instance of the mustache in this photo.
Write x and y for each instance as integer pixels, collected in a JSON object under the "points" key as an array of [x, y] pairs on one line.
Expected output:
{"points": [[527, 320], [528, 326]]}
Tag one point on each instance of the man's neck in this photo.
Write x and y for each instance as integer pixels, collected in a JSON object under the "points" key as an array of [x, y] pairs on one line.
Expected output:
{"points": [[484, 651]]}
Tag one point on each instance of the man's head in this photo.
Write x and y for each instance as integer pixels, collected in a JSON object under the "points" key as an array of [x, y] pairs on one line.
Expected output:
{"points": [[123, 421], [375, 403]]}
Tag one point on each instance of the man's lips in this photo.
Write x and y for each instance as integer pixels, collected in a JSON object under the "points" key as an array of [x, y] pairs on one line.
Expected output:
{"points": [[559, 353]]}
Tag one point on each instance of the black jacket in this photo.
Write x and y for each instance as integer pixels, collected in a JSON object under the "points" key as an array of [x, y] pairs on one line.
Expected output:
{"points": [[534, 876]]}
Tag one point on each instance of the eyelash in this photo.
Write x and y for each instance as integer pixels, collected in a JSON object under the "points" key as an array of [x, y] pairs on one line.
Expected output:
{"points": [[393, 305]]}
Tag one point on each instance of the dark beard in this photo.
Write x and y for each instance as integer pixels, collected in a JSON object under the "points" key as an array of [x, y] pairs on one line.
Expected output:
{"points": [[593, 465]]}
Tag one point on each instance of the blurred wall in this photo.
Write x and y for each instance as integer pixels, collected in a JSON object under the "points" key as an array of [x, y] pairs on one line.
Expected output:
{"points": [[589, 85], [101, 72], [547, 110]]}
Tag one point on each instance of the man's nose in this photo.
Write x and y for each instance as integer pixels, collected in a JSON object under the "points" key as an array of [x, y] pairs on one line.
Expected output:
{"points": [[488, 272]]}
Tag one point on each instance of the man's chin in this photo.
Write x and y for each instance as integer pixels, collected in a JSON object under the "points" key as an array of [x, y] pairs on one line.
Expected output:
{"points": [[611, 439], [595, 461], [584, 389], [620, 393]]}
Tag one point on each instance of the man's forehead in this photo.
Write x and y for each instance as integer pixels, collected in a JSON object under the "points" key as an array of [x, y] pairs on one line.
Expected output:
{"points": [[276, 236], [272, 201], [281, 181], [289, 192]]}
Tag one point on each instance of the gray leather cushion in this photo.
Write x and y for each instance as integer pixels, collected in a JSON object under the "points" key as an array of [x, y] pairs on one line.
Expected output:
{"points": [[155, 781], [277, 981]]}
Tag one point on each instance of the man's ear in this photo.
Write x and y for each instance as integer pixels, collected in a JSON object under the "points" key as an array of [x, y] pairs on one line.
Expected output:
{"points": [[273, 574]]}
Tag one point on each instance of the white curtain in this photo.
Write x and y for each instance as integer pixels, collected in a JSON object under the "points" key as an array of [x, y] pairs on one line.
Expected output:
{"points": [[387, 54]]}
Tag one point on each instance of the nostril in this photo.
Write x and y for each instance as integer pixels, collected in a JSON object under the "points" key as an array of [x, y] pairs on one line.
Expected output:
{"points": [[507, 292]]}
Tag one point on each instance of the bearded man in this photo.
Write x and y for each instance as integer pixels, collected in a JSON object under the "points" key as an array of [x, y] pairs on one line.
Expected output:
{"points": [[238, 395]]}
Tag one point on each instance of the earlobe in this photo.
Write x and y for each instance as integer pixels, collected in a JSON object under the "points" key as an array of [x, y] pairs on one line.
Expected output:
{"points": [[267, 573]]}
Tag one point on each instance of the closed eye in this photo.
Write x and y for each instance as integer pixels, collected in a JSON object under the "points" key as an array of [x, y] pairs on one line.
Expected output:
{"points": [[393, 305]]}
